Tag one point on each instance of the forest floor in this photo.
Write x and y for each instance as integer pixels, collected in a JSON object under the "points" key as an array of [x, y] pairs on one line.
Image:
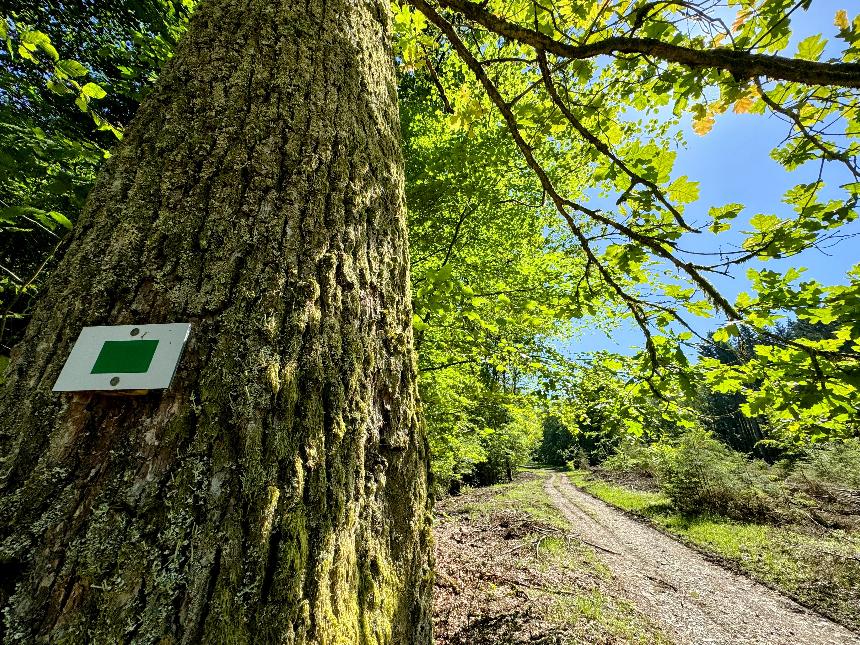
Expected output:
{"points": [[510, 572], [539, 561]]}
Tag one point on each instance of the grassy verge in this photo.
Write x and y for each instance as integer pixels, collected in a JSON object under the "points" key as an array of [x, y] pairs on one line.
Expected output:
{"points": [[820, 570], [525, 494]]}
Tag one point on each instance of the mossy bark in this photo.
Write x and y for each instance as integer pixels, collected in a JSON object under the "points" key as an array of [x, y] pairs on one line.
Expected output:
{"points": [[277, 492]]}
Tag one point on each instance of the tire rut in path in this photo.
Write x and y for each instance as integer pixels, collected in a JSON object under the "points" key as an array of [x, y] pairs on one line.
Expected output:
{"points": [[694, 600]]}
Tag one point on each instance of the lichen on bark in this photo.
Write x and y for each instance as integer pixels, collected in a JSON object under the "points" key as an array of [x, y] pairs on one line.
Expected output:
{"points": [[277, 492]]}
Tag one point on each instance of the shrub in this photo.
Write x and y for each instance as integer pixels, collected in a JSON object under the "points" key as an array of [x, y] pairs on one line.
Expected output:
{"points": [[577, 459], [826, 479], [704, 476], [834, 464], [638, 458]]}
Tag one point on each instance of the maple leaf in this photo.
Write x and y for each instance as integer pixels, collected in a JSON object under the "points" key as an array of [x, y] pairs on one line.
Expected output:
{"points": [[841, 19], [743, 16], [743, 105], [704, 125]]}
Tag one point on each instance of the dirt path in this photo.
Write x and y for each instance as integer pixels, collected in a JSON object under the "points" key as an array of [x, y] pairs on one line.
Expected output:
{"points": [[508, 572], [696, 601]]}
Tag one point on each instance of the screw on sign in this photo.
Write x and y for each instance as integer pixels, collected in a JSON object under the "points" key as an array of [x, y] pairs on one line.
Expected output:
{"points": [[123, 358]]}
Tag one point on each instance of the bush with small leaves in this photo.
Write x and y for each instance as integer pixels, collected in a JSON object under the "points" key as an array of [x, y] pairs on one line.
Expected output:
{"points": [[705, 476], [635, 457]]}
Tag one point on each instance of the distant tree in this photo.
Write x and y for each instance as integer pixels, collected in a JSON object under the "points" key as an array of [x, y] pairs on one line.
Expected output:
{"points": [[558, 444], [722, 411]]}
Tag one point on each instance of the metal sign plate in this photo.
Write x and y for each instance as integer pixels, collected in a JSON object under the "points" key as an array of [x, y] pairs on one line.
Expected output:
{"points": [[123, 357]]}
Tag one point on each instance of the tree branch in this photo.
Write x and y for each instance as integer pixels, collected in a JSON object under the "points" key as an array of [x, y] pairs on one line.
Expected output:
{"points": [[827, 153], [562, 205], [604, 149], [740, 64], [446, 104]]}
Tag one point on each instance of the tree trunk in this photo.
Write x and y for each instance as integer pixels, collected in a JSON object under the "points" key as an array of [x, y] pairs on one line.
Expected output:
{"points": [[277, 492]]}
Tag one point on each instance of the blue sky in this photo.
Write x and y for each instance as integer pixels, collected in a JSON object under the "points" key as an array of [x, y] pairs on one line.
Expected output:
{"points": [[733, 164]]}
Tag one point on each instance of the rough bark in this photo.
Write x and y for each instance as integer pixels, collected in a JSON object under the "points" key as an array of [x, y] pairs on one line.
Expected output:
{"points": [[277, 492]]}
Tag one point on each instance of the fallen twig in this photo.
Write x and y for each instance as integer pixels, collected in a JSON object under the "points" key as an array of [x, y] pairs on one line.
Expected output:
{"points": [[597, 546], [662, 582]]}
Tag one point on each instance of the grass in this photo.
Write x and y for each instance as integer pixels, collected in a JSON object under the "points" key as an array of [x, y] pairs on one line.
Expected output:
{"points": [[631, 500], [610, 619], [821, 571], [528, 495]]}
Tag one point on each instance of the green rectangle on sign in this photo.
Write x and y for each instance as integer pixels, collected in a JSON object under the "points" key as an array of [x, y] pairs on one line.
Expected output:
{"points": [[125, 357]]}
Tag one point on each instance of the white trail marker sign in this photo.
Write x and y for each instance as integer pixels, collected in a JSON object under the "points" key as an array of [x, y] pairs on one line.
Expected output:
{"points": [[123, 357]]}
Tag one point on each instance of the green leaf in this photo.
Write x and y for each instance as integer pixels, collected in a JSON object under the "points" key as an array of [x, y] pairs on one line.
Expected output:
{"points": [[684, 191], [61, 219], [32, 40], [853, 187], [613, 364], [824, 316], [48, 218], [764, 223], [743, 300], [26, 53], [721, 214], [58, 87], [93, 91], [811, 48], [72, 67], [443, 274], [729, 211]]}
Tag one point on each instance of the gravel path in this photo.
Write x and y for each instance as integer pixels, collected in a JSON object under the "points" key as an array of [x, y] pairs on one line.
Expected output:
{"points": [[696, 601]]}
